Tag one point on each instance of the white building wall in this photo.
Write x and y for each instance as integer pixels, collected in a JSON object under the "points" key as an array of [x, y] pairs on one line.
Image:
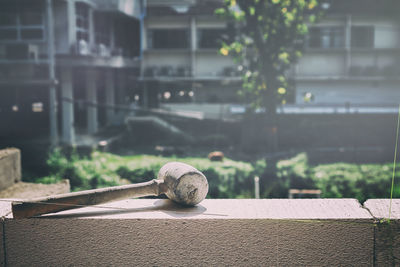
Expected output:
{"points": [[363, 58], [211, 63], [353, 92], [167, 58], [387, 35], [321, 64], [210, 22], [167, 23]]}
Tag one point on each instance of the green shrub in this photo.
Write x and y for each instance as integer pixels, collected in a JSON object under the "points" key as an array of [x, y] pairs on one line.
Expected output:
{"points": [[136, 175], [337, 180], [353, 181], [229, 178]]}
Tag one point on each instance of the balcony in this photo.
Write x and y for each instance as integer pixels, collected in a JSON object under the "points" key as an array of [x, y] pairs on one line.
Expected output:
{"points": [[156, 232]]}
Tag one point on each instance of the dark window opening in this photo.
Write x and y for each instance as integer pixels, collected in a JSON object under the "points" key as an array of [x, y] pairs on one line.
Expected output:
{"points": [[325, 37], [168, 38], [31, 34], [31, 14], [8, 34], [127, 37], [82, 22], [82, 36], [31, 18], [21, 20], [362, 36], [102, 29], [7, 19], [210, 38], [23, 108]]}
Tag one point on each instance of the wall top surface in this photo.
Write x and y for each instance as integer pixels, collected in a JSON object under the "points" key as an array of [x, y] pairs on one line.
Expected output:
{"points": [[379, 208], [334, 209]]}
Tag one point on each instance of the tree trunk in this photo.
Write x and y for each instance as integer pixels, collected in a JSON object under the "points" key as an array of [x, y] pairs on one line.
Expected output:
{"points": [[270, 174]]}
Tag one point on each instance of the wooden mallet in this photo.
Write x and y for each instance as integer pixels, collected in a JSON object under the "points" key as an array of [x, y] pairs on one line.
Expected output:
{"points": [[181, 183]]}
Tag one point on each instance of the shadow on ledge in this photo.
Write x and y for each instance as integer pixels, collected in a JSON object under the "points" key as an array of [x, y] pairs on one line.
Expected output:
{"points": [[165, 205]]}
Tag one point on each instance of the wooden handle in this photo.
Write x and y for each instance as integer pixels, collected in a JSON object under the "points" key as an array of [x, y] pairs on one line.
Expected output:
{"points": [[38, 206]]}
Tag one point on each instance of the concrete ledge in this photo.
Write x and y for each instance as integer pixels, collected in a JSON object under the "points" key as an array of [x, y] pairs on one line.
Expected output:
{"points": [[32, 190], [379, 208], [10, 167], [278, 232]]}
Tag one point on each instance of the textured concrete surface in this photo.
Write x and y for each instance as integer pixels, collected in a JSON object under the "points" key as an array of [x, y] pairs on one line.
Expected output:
{"points": [[153, 232], [387, 234], [10, 167], [158, 242], [226, 209], [2, 252], [30, 190]]}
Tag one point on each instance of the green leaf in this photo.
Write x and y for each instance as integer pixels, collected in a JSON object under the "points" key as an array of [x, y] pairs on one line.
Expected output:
{"points": [[220, 11], [252, 11]]}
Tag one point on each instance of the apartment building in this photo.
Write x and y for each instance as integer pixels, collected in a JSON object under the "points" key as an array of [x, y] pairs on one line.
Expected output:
{"points": [[180, 60], [64, 65], [351, 56]]}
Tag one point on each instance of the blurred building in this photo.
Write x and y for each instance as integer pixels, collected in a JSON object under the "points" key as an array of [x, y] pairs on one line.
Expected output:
{"points": [[108, 54], [181, 62], [77, 53], [351, 56]]}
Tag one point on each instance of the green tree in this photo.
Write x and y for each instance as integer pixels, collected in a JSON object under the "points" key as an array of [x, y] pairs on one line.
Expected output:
{"points": [[269, 37]]}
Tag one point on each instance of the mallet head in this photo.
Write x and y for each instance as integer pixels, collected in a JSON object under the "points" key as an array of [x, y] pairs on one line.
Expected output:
{"points": [[183, 183]]}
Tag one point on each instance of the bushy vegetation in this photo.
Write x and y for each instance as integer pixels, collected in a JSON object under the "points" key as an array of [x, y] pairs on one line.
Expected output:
{"points": [[229, 178], [338, 180]]}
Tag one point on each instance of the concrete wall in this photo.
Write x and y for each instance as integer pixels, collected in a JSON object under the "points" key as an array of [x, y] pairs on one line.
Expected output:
{"points": [[387, 233], [10, 167], [154, 232]]}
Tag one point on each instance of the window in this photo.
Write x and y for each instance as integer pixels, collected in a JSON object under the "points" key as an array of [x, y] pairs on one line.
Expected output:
{"points": [[362, 36], [102, 29], [326, 37], [210, 38], [127, 37], [21, 20], [82, 22], [168, 38]]}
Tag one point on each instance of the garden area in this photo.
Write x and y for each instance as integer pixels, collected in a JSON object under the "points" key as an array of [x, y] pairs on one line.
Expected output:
{"points": [[227, 178]]}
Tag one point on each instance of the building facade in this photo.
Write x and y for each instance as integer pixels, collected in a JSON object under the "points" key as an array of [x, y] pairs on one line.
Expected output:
{"points": [[181, 62], [65, 65], [351, 56]]}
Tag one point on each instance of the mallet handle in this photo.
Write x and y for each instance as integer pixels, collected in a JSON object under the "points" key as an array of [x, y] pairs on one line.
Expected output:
{"points": [[38, 206]]}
